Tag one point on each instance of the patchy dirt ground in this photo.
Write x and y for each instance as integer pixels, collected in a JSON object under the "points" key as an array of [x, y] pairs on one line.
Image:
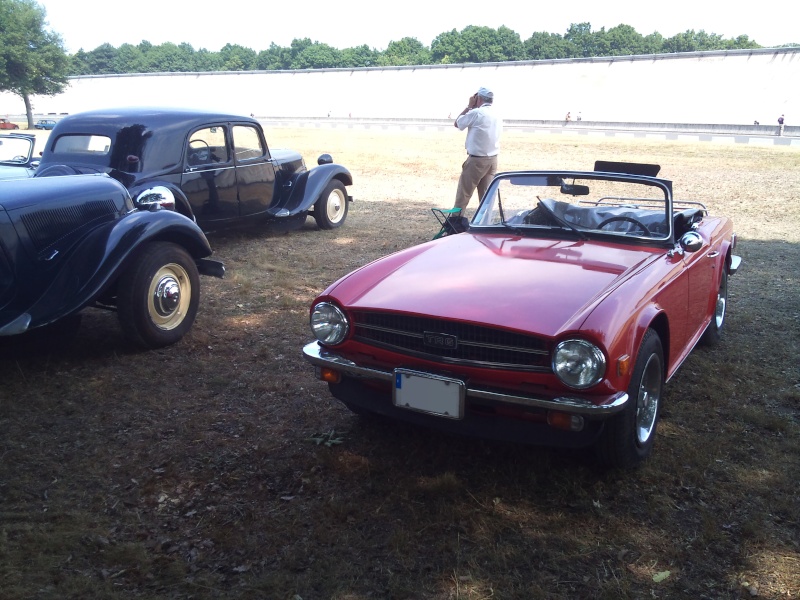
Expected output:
{"points": [[221, 468]]}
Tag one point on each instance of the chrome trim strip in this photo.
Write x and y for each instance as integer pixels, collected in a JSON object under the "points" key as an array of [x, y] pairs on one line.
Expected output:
{"points": [[320, 357]]}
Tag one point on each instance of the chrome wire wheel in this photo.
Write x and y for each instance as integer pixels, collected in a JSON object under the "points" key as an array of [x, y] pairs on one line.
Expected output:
{"points": [[648, 398], [722, 301], [170, 295]]}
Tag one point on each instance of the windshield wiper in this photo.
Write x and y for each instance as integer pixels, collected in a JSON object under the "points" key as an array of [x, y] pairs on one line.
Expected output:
{"points": [[561, 221]]}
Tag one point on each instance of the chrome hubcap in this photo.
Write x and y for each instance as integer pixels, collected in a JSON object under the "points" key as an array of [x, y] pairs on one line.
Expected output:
{"points": [[722, 298], [169, 297], [648, 399], [335, 206]]}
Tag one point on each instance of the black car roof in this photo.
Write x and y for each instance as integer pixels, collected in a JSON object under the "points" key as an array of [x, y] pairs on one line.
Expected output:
{"points": [[152, 117], [160, 132]]}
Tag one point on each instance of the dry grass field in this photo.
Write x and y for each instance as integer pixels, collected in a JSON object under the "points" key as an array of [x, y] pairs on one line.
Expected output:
{"points": [[220, 468]]}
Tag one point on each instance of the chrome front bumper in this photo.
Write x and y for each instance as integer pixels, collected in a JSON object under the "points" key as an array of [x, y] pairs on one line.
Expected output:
{"points": [[320, 357]]}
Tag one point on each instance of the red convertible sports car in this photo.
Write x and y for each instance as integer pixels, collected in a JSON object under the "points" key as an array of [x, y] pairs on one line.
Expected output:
{"points": [[556, 319]]}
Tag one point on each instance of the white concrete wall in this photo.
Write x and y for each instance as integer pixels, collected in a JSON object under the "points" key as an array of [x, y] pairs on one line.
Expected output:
{"points": [[734, 87]]}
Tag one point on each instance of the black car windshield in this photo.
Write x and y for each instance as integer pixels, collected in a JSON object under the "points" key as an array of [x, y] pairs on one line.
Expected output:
{"points": [[578, 204]]}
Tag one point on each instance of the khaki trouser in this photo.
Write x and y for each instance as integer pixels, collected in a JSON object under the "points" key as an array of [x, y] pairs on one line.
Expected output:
{"points": [[476, 172]]}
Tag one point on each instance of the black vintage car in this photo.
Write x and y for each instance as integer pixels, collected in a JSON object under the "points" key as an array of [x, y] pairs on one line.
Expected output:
{"points": [[215, 168], [67, 243]]}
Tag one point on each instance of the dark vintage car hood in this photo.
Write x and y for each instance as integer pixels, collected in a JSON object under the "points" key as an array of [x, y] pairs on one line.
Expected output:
{"points": [[539, 285]]}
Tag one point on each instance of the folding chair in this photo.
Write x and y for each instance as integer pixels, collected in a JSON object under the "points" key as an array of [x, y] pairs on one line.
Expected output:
{"points": [[450, 221]]}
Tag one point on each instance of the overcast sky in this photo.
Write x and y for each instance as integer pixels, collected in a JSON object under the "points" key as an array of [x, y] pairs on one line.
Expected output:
{"points": [[347, 23]]}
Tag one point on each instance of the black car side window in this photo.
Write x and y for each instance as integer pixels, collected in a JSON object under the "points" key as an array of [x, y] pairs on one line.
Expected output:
{"points": [[247, 143], [207, 146]]}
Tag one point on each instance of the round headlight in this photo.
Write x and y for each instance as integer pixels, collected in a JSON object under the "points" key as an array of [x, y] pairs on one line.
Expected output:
{"points": [[579, 364], [158, 195], [329, 324]]}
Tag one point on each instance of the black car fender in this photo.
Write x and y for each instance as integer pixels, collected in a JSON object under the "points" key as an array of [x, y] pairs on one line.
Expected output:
{"points": [[92, 267], [310, 185]]}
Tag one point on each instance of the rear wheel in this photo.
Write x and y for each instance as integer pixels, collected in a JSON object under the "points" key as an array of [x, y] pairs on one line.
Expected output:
{"points": [[628, 437], [713, 333], [158, 296], [330, 210]]}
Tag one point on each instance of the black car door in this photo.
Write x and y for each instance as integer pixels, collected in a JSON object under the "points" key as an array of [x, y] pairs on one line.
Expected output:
{"points": [[209, 176], [255, 171]]}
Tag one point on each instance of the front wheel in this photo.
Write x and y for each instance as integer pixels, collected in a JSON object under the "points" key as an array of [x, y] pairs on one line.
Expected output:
{"points": [[713, 333], [628, 437], [158, 295], [330, 210]]}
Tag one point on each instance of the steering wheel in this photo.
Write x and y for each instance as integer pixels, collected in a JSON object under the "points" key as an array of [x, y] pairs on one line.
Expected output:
{"points": [[199, 152], [616, 218]]}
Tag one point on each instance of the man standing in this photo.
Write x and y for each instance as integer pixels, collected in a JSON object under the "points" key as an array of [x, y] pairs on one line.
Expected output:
{"points": [[483, 144], [780, 125]]}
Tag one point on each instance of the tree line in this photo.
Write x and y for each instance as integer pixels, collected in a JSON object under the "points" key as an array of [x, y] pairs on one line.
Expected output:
{"points": [[473, 44]]}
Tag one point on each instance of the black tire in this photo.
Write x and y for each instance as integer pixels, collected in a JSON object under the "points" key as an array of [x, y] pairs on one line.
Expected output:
{"points": [[330, 210], [713, 333], [628, 437], [158, 295]]}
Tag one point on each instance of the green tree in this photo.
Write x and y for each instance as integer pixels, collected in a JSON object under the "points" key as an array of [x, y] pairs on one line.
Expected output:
{"points": [[581, 41], [238, 58], [274, 58], [691, 41], [129, 59], [32, 58], [476, 44], [407, 51], [361, 56], [546, 46], [317, 56], [101, 60]]}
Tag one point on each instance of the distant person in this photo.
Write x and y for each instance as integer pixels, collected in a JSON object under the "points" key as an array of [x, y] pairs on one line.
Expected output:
{"points": [[484, 128], [567, 119], [780, 125]]}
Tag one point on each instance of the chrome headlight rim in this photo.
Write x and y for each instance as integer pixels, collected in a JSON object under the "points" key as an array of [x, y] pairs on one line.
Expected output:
{"points": [[329, 323], [578, 363]]}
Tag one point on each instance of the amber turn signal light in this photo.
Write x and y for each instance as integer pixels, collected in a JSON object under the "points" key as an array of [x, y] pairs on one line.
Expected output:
{"points": [[565, 421], [329, 375]]}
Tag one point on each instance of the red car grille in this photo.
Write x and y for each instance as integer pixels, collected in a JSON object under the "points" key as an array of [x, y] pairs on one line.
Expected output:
{"points": [[452, 341]]}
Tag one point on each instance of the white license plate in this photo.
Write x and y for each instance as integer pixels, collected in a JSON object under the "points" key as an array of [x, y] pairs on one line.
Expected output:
{"points": [[432, 394]]}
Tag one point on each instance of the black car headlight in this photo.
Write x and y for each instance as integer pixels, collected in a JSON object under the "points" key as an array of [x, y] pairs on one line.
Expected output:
{"points": [[157, 195], [329, 323], [579, 364]]}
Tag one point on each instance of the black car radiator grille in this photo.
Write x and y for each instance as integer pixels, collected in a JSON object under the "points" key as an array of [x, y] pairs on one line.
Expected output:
{"points": [[48, 226], [451, 342]]}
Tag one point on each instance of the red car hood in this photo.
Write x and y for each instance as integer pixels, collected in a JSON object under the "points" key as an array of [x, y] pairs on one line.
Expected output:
{"points": [[538, 285]]}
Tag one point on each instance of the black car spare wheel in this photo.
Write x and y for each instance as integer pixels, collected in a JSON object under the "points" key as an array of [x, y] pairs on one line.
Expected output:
{"points": [[330, 210], [628, 436], [158, 295]]}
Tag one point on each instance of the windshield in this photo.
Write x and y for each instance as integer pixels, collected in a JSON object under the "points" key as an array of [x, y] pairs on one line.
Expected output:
{"points": [[15, 151], [579, 204]]}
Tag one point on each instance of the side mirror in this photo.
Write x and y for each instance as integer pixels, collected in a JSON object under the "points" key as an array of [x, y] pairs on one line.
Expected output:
{"points": [[691, 241]]}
